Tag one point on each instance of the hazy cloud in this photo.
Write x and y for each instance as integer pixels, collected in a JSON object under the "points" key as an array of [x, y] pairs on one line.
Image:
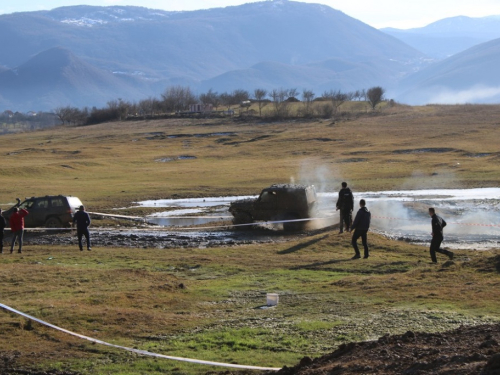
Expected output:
{"points": [[472, 95]]}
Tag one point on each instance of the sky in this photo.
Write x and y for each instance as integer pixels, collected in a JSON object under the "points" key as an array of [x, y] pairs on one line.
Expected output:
{"points": [[401, 14]]}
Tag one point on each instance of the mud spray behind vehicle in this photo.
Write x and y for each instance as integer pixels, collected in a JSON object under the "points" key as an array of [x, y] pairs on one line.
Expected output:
{"points": [[278, 203]]}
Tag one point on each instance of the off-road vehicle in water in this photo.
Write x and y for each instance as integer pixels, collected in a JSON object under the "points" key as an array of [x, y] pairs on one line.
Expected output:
{"points": [[51, 211], [276, 203]]}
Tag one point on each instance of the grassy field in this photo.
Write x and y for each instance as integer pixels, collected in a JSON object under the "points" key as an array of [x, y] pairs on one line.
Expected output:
{"points": [[111, 165], [203, 303]]}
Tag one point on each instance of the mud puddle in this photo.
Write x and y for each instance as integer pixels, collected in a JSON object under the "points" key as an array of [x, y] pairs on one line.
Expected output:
{"points": [[472, 215]]}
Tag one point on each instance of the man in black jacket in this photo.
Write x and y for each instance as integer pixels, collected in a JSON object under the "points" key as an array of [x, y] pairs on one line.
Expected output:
{"points": [[345, 203], [361, 225], [82, 220], [3, 223], [437, 236]]}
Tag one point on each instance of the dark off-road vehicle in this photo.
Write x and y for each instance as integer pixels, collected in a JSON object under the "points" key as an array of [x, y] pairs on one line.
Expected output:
{"points": [[51, 211], [276, 203]]}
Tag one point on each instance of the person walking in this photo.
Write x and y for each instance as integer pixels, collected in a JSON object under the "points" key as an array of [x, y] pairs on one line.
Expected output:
{"points": [[438, 224], [345, 203], [3, 224], [17, 227], [361, 225], [82, 221]]}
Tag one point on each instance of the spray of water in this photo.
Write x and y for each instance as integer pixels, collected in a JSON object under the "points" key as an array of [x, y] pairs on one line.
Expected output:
{"points": [[325, 180]]}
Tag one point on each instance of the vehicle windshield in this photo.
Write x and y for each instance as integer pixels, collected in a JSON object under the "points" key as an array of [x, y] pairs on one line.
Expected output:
{"points": [[27, 204]]}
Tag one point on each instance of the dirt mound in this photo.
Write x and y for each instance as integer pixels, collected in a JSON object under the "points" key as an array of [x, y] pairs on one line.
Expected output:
{"points": [[466, 350]]}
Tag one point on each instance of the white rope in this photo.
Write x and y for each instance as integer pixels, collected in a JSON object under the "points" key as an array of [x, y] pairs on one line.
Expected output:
{"points": [[141, 352]]}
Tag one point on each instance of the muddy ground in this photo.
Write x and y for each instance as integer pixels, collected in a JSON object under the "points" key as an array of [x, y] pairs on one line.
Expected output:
{"points": [[150, 237], [464, 351]]}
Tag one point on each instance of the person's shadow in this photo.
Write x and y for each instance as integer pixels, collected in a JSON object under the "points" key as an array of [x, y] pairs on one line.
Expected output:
{"points": [[301, 246]]}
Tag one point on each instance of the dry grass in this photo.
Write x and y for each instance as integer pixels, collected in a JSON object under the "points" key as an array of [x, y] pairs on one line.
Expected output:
{"points": [[135, 298], [114, 164]]}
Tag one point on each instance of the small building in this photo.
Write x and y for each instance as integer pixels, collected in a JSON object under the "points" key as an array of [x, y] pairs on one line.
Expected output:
{"points": [[201, 108]]}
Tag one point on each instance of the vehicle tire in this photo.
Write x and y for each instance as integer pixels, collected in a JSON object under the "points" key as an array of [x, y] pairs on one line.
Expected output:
{"points": [[295, 226], [242, 218], [53, 222]]}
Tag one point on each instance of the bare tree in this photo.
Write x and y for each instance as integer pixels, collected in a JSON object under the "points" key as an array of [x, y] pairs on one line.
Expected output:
{"points": [[280, 102], [375, 95], [307, 99], [145, 107], [240, 96], [120, 108], [63, 114], [362, 95], [293, 93], [178, 98], [211, 97], [336, 97], [226, 100], [260, 95]]}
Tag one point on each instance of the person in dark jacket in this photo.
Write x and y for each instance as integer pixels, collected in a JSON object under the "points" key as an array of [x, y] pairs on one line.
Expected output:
{"points": [[82, 221], [345, 203], [16, 222], [438, 224], [3, 224], [361, 225]]}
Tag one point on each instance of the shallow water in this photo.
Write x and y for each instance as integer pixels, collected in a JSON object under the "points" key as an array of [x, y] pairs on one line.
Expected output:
{"points": [[472, 215]]}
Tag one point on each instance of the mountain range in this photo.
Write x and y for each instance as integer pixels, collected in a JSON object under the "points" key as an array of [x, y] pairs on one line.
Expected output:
{"points": [[86, 56], [449, 36], [472, 76], [147, 50]]}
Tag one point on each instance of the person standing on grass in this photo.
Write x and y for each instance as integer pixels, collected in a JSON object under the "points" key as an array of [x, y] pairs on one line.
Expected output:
{"points": [[82, 221], [17, 227], [345, 203], [361, 225], [3, 224], [438, 224]]}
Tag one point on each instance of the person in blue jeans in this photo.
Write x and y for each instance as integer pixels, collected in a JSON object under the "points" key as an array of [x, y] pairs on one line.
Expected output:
{"points": [[361, 225], [16, 222], [82, 221]]}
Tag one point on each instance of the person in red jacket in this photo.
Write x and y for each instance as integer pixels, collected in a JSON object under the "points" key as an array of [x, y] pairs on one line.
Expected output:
{"points": [[17, 227]]}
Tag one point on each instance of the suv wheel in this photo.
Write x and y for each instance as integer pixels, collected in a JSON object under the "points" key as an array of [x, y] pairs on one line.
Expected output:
{"points": [[242, 218], [294, 226], [52, 222]]}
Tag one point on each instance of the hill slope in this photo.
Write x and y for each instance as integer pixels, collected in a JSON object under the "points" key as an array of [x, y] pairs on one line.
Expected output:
{"points": [[468, 77], [449, 36], [57, 77]]}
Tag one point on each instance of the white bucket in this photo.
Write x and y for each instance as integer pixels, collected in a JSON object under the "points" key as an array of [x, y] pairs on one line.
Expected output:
{"points": [[272, 299]]}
